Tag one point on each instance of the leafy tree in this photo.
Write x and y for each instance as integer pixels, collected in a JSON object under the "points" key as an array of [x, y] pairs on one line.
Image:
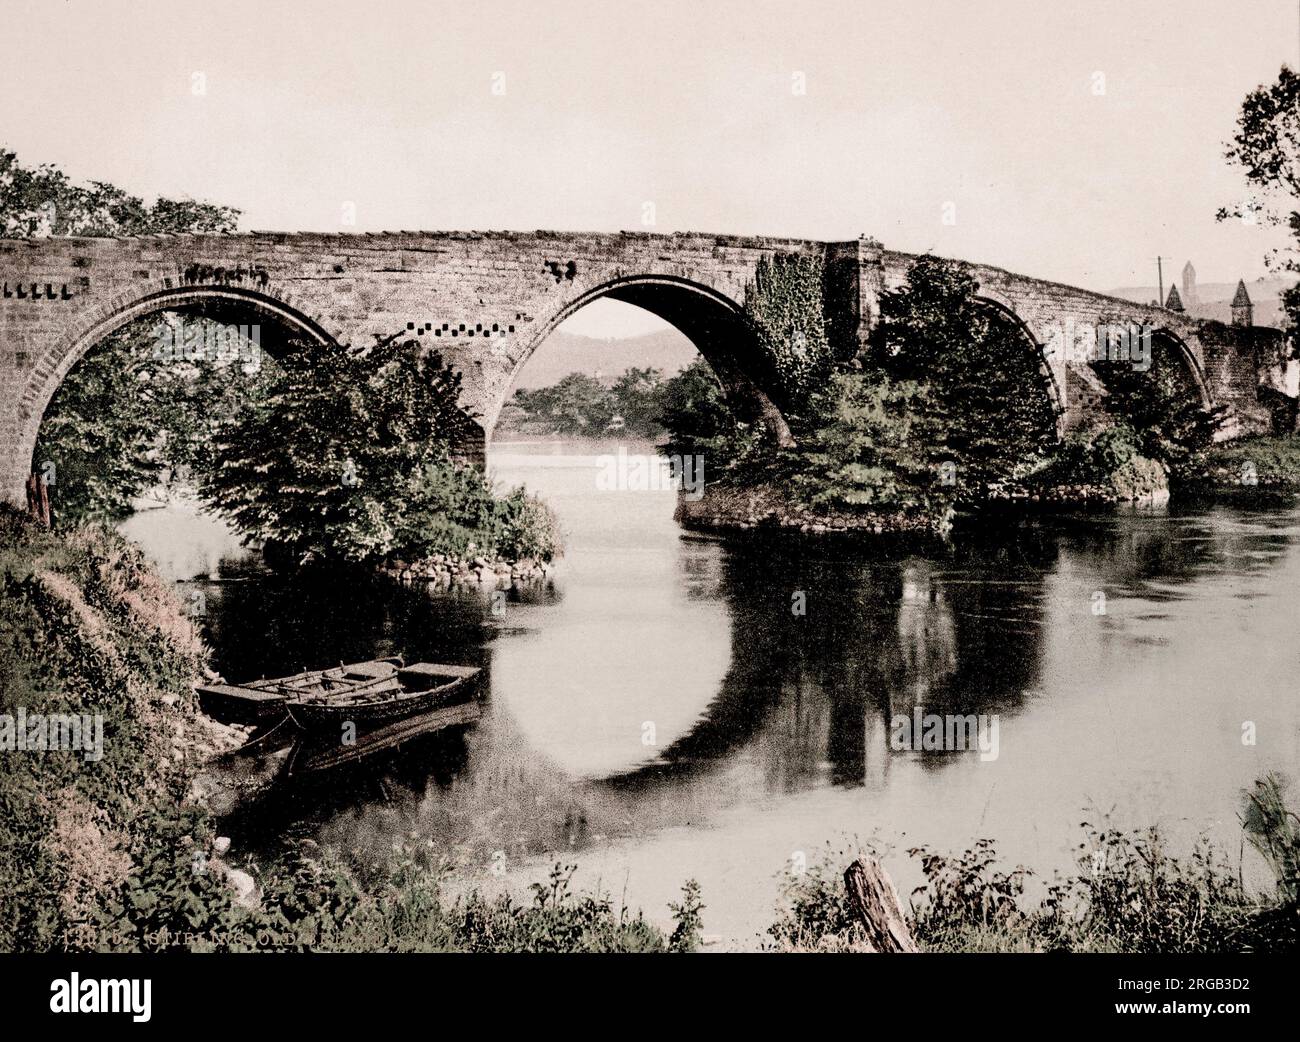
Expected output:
{"points": [[577, 404], [1160, 405], [349, 457], [1267, 146], [636, 399], [94, 446], [693, 408], [325, 463], [43, 201], [982, 402], [128, 417]]}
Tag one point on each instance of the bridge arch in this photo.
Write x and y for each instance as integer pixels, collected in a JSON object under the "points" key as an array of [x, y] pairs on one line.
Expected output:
{"points": [[712, 321], [1182, 355], [221, 302], [998, 305]]}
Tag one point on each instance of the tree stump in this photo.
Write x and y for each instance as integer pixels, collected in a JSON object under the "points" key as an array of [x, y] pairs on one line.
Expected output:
{"points": [[874, 901]]}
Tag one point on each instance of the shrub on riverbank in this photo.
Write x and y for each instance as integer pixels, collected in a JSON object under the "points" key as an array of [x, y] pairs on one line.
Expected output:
{"points": [[1105, 465], [309, 900], [1129, 895]]}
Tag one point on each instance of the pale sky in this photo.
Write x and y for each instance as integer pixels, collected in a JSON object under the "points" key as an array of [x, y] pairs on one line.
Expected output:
{"points": [[688, 105]]}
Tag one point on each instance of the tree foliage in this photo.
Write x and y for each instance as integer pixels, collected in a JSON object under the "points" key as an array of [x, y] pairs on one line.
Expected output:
{"points": [[982, 408], [1161, 405], [128, 417], [636, 396], [869, 451], [693, 408], [43, 201], [349, 456], [576, 405], [1267, 147]]}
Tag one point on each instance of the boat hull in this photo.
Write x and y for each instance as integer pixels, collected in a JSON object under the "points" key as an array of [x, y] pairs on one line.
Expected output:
{"points": [[320, 716]]}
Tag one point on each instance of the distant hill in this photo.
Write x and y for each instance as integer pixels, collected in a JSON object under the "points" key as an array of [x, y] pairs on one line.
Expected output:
{"points": [[564, 353], [1214, 299]]}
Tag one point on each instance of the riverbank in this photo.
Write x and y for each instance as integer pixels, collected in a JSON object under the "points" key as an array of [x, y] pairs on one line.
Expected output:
{"points": [[1262, 463]]}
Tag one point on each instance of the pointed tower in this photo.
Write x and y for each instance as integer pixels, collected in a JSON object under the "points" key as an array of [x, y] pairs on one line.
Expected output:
{"points": [[1190, 295], [1174, 302], [1243, 311]]}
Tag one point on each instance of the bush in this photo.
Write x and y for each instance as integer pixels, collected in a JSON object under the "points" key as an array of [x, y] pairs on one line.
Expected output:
{"points": [[310, 901], [349, 457], [1109, 459], [1129, 895], [1161, 407], [866, 451]]}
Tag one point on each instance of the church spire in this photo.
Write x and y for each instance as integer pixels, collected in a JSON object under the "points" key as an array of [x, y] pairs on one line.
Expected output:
{"points": [[1243, 311]]}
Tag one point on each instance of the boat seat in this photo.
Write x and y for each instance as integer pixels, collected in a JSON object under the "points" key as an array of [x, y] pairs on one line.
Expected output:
{"points": [[369, 670]]}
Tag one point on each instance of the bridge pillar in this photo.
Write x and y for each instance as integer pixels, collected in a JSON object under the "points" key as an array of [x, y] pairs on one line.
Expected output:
{"points": [[855, 278]]}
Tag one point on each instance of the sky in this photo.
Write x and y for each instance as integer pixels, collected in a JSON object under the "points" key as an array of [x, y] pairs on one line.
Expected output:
{"points": [[1074, 142]]}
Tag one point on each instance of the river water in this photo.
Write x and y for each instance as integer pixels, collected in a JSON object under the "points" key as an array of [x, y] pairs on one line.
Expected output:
{"points": [[662, 711]]}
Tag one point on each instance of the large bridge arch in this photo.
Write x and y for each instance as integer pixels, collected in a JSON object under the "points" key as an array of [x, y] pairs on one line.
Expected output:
{"points": [[998, 305], [711, 320], [277, 319]]}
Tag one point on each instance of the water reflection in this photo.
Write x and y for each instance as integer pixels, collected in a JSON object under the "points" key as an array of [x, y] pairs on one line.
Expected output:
{"points": [[663, 709]]}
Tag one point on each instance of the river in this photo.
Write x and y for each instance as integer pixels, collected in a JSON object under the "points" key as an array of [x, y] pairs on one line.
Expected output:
{"points": [[662, 711]]}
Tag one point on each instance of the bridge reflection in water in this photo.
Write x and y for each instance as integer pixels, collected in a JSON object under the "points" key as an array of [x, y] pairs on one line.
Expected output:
{"points": [[666, 693]]}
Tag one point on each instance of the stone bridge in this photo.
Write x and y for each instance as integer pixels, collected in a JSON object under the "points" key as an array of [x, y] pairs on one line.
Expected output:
{"points": [[488, 300]]}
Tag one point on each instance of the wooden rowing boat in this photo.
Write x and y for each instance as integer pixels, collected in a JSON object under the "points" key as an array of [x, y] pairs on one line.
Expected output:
{"points": [[378, 694], [364, 694]]}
